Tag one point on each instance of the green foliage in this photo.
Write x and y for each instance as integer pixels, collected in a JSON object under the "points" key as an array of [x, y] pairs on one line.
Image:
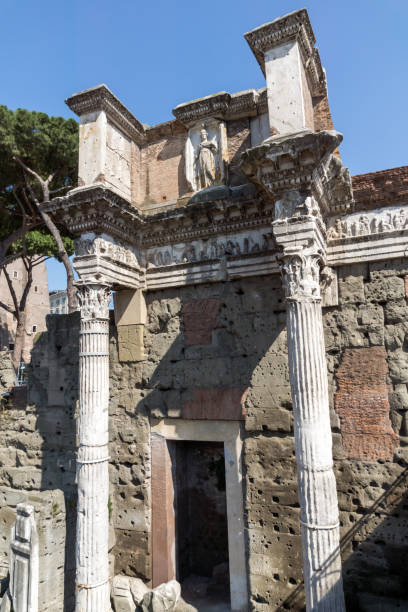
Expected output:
{"points": [[47, 145], [40, 242]]}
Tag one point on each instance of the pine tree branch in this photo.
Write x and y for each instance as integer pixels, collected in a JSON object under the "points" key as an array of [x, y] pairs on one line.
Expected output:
{"points": [[12, 293]]}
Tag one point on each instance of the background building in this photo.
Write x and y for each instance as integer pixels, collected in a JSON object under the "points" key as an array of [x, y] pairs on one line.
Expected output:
{"points": [[58, 302], [38, 305]]}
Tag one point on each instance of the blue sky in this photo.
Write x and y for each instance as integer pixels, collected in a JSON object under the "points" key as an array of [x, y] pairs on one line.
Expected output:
{"points": [[157, 54]]}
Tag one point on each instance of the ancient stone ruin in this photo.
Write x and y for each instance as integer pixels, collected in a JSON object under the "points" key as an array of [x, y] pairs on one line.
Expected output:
{"points": [[234, 434]]}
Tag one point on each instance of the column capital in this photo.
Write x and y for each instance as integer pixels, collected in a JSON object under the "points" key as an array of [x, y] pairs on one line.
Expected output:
{"points": [[93, 298], [300, 269], [292, 169]]}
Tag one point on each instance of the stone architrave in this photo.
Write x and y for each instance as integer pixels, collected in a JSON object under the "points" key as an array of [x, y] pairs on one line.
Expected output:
{"points": [[92, 569], [298, 173], [24, 560], [206, 154]]}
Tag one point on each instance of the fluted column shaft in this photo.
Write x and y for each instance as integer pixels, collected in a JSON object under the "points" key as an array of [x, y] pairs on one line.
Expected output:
{"points": [[92, 569], [313, 438]]}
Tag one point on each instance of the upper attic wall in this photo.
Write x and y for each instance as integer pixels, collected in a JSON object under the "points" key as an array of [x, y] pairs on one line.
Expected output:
{"points": [[154, 166]]}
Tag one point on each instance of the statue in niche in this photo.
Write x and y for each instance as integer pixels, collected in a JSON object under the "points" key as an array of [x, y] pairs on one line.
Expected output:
{"points": [[206, 167]]}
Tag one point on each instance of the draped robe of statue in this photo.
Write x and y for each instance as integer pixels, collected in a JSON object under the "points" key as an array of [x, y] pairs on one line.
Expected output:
{"points": [[205, 161]]}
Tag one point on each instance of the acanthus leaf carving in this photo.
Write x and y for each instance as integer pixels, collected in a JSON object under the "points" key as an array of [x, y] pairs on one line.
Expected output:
{"points": [[300, 270], [93, 299]]}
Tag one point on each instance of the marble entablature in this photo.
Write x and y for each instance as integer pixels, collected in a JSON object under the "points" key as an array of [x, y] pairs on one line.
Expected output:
{"points": [[381, 221], [133, 243]]}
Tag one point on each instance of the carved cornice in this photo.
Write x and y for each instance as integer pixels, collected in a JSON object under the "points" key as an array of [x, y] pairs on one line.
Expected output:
{"points": [[207, 219], [100, 98], [223, 105], [214, 105], [243, 104], [100, 210], [96, 209], [291, 27], [301, 163]]}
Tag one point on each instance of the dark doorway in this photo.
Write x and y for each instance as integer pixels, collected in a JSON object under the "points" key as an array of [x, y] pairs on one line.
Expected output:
{"points": [[201, 524]]}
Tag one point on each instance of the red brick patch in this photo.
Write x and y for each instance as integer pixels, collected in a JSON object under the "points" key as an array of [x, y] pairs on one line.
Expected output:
{"points": [[200, 319], [216, 404], [383, 188], [362, 405]]}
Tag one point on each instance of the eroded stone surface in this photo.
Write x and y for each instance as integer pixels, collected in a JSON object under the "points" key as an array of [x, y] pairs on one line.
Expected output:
{"points": [[163, 598]]}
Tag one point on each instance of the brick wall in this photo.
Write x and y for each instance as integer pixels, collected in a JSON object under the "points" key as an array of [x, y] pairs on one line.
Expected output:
{"points": [[384, 188], [239, 140], [362, 404]]}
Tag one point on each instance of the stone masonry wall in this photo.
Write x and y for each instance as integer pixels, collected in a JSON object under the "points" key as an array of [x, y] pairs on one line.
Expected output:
{"points": [[366, 343], [223, 347], [229, 340], [37, 458]]}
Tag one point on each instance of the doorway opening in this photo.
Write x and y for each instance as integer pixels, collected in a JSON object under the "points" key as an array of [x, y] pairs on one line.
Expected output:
{"points": [[202, 563], [219, 451]]}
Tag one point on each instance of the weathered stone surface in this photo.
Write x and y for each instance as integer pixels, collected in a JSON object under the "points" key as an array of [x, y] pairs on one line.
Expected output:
{"points": [[130, 342], [122, 599], [163, 598], [7, 374], [138, 589]]}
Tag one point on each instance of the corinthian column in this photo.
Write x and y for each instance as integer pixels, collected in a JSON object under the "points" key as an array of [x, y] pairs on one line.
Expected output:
{"points": [[316, 481], [306, 182], [92, 571]]}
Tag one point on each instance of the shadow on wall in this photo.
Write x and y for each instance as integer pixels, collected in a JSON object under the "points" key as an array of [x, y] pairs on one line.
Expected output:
{"points": [[5, 336], [53, 391], [213, 351], [375, 556]]}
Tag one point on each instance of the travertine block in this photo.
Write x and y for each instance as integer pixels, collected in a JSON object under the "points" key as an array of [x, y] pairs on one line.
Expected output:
{"points": [[130, 307], [130, 341]]}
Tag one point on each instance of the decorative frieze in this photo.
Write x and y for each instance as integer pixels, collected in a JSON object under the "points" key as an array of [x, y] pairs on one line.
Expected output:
{"points": [[102, 256], [201, 250], [370, 236], [90, 244], [382, 221]]}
